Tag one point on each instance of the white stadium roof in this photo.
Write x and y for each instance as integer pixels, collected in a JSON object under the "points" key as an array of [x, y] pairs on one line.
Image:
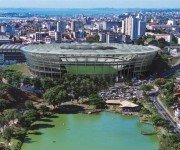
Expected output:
{"points": [[89, 49]]}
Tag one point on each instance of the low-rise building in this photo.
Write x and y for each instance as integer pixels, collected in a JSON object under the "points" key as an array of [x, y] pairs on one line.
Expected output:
{"points": [[167, 37]]}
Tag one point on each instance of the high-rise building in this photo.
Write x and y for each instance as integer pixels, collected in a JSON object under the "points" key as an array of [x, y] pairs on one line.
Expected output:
{"points": [[39, 36], [61, 26], [133, 26], [110, 37], [76, 25], [3, 28], [141, 28], [58, 37], [109, 25], [114, 38], [80, 34], [102, 37]]}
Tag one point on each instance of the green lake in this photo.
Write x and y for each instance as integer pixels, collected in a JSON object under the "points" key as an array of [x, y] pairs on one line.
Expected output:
{"points": [[104, 131]]}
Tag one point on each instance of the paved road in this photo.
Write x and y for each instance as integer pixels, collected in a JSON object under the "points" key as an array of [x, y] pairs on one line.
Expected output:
{"points": [[164, 113]]}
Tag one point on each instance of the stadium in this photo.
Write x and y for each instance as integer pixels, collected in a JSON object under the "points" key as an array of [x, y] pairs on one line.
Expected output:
{"points": [[53, 60]]}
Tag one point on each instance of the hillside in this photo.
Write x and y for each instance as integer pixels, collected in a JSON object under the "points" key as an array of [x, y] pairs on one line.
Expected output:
{"points": [[15, 97]]}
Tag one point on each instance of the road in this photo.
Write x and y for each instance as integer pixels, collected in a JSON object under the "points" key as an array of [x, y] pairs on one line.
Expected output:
{"points": [[164, 113]]}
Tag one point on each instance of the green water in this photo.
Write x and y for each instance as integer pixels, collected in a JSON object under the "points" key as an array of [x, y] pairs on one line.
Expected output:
{"points": [[104, 131]]}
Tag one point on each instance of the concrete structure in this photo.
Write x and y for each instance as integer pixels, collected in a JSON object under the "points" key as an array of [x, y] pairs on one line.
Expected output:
{"points": [[58, 37], [61, 26], [133, 26], [173, 50], [109, 25], [3, 28], [167, 37], [76, 25], [4, 39], [171, 22], [11, 54], [92, 59], [40, 36], [113, 38]]}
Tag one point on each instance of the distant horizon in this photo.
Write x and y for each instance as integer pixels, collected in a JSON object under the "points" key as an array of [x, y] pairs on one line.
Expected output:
{"points": [[88, 4], [84, 8]]}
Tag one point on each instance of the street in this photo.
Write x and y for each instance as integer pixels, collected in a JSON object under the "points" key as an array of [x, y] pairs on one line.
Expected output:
{"points": [[164, 113]]}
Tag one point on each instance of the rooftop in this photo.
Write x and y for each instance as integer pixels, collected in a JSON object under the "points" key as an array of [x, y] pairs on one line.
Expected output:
{"points": [[126, 103], [88, 49], [11, 46], [122, 104], [4, 38]]}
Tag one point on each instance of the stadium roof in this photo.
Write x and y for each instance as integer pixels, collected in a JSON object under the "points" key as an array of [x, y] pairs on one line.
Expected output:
{"points": [[11, 46], [89, 49]]}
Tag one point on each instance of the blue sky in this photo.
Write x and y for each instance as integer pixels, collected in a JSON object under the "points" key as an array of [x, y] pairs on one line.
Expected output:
{"points": [[91, 3]]}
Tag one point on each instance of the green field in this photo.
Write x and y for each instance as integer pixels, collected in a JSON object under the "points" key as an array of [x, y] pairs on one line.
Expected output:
{"points": [[89, 69]]}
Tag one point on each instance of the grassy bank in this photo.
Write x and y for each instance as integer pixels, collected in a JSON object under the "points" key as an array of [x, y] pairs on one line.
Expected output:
{"points": [[23, 68]]}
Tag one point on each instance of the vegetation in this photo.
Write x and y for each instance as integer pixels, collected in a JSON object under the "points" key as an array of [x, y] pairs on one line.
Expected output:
{"points": [[160, 82], [170, 142], [55, 95], [168, 97], [95, 100], [17, 106], [92, 39], [150, 40], [158, 120], [22, 68], [147, 87]]}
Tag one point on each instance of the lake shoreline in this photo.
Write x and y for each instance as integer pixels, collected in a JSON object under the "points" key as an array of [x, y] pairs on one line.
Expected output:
{"points": [[110, 115]]}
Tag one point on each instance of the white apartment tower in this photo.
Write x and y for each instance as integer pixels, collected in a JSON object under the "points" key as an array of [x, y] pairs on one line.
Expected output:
{"points": [[133, 26]]}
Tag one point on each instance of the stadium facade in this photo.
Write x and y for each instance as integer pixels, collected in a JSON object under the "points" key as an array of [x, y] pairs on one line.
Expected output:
{"points": [[53, 60]]}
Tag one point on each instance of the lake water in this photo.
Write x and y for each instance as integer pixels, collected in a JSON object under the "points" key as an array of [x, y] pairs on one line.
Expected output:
{"points": [[104, 131]]}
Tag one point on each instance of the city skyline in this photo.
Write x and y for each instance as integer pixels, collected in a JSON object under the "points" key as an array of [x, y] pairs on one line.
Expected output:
{"points": [[90, 4]]}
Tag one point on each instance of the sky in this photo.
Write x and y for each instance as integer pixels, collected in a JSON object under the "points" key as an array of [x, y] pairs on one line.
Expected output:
{"points": [[89, 3]]}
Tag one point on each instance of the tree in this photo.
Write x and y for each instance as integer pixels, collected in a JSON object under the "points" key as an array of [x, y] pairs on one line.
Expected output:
{"points": [[162, 43], [170, 142], [29, 104], [61, 96], [53, 95], [160, 81], [94, 99], [147, 87], [174, 40], [37, 83], [153, 42], [139, 41], [43, 109], [26, 80], [3, 122], [158, 121], [11, 114], [48, 83], [169, 100], [29, 117], [19, 133], [50, 95], [4, 147], [3, 104], [169, 87], [7, 134], [13, 77]]}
